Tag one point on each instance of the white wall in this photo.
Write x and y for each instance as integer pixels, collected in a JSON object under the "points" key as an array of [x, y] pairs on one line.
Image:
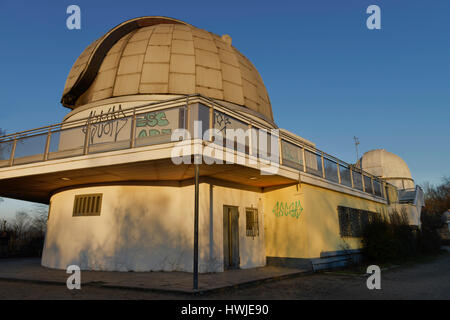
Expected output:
{"points": [[148, 228], [140, 228]]}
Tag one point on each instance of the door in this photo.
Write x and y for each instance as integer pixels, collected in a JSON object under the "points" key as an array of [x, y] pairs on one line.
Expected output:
{"points": [[230, 237]]}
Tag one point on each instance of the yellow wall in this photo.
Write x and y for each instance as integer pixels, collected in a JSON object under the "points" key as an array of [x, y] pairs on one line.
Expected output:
{"points": [[316, 229]]}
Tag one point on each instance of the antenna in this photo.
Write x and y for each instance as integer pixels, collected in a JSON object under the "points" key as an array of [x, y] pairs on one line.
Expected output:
{"points": [[356, 147]]}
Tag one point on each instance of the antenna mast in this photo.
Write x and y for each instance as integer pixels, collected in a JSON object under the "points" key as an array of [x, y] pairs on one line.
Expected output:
{"points": [[356, 147]]}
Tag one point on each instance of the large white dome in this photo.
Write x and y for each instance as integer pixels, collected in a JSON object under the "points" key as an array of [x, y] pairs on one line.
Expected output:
{"points": [[165, 56]]}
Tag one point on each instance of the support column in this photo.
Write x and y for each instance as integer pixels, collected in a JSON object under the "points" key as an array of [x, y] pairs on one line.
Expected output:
{"points": [[197, 169]]}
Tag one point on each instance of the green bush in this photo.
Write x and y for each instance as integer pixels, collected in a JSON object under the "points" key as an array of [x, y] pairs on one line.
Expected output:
{"points": [[429, 241], [388, 237], [377, 240]]}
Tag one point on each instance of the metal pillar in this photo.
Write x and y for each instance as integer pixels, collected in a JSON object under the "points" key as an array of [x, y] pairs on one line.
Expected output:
{"points": [[197, 169]]}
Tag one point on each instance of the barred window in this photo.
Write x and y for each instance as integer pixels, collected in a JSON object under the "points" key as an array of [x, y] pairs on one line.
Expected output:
{"points": [[87, 205], [353, 221], [252, 225]]}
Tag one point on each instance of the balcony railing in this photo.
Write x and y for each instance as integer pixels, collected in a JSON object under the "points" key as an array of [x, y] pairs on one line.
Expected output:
{"points": [[154, 123]]}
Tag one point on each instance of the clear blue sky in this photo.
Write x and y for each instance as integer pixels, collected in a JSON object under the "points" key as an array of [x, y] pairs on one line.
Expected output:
{"points": [[329, 77]]}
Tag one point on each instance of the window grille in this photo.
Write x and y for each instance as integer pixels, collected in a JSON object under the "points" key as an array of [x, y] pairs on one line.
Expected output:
{"points": [[87, 205], [353, 221], [252, 225]]}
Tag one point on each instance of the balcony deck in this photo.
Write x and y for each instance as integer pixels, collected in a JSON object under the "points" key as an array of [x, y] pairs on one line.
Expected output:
{"points": [[36, 163]]}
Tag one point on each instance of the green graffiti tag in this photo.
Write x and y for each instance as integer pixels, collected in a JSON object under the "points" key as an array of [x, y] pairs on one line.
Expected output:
{"points": [[152, 119], [284, 209]]}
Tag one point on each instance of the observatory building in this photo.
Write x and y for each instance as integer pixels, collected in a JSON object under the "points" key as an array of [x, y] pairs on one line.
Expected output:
{"points": [[171, 139]]}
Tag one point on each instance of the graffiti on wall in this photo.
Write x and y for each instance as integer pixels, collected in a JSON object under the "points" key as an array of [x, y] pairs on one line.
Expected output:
{"points": [[105, 125], [287, 209], [221, 120], [152, 124]]}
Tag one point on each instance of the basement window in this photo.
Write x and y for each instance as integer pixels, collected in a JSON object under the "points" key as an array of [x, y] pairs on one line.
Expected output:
{"points": [[252, 225], [87, 205], [353, 221]]}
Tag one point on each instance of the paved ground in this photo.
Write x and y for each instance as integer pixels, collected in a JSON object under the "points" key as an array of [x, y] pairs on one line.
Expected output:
{"points": [[167, 282], [429, 280]]}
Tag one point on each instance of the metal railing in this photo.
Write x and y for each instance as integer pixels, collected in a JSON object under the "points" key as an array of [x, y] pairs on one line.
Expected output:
{"points": [[154, 123]]}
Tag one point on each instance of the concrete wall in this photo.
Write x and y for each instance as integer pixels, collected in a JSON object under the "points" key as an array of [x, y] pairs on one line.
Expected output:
{"points": [[143, 228], [140, 228], [310, 224]]}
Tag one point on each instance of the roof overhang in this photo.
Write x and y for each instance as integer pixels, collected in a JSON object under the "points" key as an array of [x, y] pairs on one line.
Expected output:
{"points": [[145, 165]]}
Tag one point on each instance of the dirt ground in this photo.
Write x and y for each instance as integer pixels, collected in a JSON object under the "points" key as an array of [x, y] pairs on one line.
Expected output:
{"points": [[430, 280]]}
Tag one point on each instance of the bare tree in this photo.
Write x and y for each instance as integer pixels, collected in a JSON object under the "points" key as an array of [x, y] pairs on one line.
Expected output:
{"points": [[2, 133], [39, 219], [437, 198], [21, 223]]}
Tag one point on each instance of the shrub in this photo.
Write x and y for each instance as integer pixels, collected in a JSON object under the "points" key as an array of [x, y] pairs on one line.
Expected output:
{"points": [[388, 237], [429, 240]]}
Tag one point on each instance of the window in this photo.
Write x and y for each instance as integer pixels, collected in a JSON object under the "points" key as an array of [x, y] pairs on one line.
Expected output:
{"points": [[87, 205], [292, 155], [252, 225], [357, 180], [313, 163], [331, 168], [368, 184], [345, 175], [353, 221], [377, 188]]}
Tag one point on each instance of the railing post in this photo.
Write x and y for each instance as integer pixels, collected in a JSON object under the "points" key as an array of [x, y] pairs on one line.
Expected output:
{"points": [[47, 145], [13, 151], [211, 122], [250, 140], [86, 138], [363, 182], [188, 116], [323, 166], [280, 153], [304, 159], [339, 173], [351, 177], [133, 129]]}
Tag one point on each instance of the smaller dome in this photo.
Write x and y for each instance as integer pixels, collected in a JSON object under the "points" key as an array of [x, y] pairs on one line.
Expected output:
{"points": [[387, 166]]}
